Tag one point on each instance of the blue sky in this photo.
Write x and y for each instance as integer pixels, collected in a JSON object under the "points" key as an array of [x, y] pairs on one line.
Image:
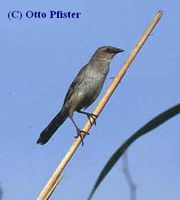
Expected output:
{"points": [[40, 58]]}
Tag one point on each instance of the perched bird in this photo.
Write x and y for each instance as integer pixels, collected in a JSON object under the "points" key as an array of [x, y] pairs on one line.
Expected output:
{"points": [[83, 91]]}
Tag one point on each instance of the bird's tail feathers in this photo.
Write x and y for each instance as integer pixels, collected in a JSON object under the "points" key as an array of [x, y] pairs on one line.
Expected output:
{"points": [[57, 121]]}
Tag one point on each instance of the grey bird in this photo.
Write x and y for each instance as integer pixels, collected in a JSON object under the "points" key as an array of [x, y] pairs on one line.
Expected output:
{"points": [[83, 91]]}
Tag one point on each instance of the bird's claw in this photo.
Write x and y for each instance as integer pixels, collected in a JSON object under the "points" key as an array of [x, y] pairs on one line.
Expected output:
{"points": [[79, 131], [93, 116]]}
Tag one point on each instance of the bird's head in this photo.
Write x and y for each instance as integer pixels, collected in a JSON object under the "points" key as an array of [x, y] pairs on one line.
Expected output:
{"points": [[105, 53]]}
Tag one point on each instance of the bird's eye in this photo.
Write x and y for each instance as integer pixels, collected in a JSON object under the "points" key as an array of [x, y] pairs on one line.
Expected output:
{"points": [[108, 50]]}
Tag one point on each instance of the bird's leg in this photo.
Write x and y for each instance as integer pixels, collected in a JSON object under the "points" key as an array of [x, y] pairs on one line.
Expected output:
{"points": [[89, 116], [79, 131]]}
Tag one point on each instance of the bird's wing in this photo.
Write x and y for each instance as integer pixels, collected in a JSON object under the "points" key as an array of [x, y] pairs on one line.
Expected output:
{"points": [[77, 81]]}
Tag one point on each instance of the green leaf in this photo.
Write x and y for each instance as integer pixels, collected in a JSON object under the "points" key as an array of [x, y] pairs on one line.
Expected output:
{"points": [[152, 124]]}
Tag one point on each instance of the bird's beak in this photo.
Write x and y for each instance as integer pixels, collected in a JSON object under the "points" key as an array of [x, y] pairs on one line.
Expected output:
{"points": [[119, 50]]}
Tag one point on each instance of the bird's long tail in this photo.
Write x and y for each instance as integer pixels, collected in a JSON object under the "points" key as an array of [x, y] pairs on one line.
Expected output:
{"points": [[57, 121]]}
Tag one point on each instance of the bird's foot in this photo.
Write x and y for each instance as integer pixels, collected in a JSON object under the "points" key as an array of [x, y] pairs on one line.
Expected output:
{"points": [[79, 131], [92, 116]]}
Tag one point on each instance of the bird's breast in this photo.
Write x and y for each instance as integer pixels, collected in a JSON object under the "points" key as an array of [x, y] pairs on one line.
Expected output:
{"points": [[89, 89]]}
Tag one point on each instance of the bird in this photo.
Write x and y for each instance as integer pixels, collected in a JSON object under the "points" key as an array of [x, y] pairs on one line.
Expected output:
{"points": [[83, 91]]}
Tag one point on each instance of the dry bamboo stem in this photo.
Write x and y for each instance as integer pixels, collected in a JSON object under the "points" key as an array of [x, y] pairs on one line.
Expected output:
{"points": [[44, 195]]}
